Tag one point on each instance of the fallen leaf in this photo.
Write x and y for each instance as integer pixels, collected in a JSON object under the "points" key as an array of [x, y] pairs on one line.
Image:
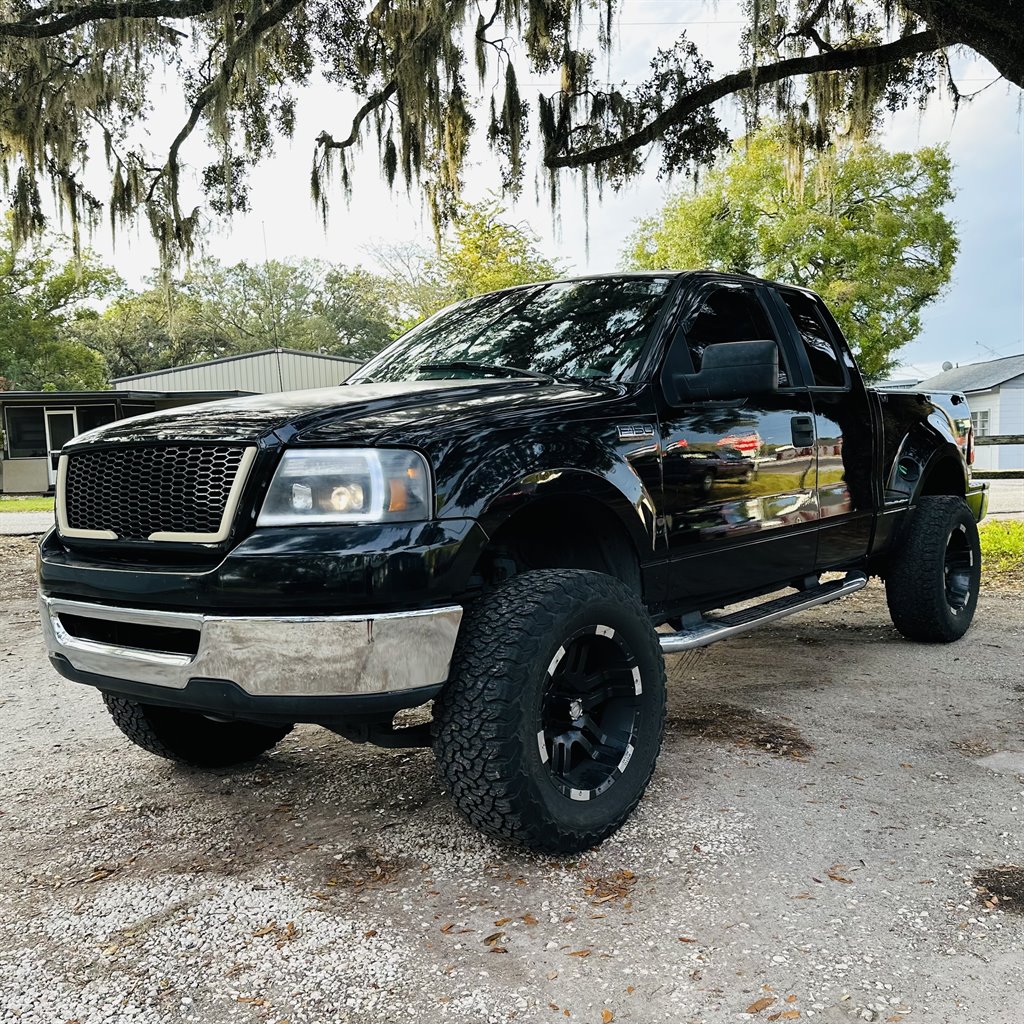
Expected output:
{"points": [[502, 921], [446, 928], [267, 929], [840, 878], [370, 934], [760, 1004], [607, 1017], [686, 938], [581, 952], [630, 989], [529, 920], [791, 999], [791, 1015], [493, 938]]}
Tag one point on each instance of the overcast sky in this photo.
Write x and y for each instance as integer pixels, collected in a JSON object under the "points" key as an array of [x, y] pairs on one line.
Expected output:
{"points": [[980, 317]]}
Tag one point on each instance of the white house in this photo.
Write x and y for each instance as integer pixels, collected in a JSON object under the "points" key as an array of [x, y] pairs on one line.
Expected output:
{"points": [[995, 393]]}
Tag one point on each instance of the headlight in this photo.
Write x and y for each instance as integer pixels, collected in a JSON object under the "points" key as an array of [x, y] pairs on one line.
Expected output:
{"points": [[347, 485]]}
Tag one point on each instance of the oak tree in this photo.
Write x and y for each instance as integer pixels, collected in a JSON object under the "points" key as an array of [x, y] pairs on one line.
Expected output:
{"points": [[863, 227], [78, 78]]}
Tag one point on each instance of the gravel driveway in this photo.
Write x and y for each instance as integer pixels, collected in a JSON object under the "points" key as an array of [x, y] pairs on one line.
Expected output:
{"points": [[829, 837]]}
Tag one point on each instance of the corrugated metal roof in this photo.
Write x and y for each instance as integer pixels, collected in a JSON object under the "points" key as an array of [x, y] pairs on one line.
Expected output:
{"points": [[976, 376], [273, 369]]}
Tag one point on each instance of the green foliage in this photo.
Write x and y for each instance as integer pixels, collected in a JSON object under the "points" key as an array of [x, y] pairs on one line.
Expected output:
{"points": [[862, 227], [78, 80], [1002, 546], [483, 253], [43, 293], [150, 330], [479, 252], [9, 504]]}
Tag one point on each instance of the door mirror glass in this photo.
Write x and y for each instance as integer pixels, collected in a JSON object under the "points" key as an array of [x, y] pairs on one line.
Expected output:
{"points": [[739, 369]]}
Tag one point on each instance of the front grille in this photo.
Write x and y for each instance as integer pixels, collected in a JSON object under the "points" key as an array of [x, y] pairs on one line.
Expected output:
{"points": [[137, 492]]}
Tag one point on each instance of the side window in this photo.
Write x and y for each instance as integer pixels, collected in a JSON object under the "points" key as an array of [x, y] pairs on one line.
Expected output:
{"points": [[821, 352], [726, 315]]}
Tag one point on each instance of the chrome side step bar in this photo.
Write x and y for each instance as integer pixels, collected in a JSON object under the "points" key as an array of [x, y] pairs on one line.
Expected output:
{"points": [[709, 630]]}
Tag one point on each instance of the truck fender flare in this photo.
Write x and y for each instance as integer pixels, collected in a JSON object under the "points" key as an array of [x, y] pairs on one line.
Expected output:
{"points": [[923, 450], [621, 492]]}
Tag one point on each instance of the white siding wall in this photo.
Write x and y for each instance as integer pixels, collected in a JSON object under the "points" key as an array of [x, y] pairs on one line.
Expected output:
{"points": [[259, 372], [1011, 421], [986, 455]]}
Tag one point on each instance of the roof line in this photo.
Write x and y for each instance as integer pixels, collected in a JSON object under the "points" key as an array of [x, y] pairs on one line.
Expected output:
{"points": [[230, 359]]}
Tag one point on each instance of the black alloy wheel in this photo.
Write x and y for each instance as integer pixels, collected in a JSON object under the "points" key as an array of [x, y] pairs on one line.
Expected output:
{"points": [[590, 712], [958, 568]]}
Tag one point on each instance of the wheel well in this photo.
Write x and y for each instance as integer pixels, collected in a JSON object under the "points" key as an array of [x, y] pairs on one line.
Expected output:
{"points": [[945, 477], [567, 532]]}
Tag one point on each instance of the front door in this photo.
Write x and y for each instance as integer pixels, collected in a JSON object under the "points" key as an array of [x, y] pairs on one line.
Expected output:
{"points": [[61, 426], [740, 504]]}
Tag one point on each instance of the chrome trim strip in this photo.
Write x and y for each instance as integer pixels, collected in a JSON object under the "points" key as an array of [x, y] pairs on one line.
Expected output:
{"points": [[291, 655]]}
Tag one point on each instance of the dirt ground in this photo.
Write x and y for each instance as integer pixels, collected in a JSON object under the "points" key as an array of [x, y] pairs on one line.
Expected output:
{"points": [[834, 834]]}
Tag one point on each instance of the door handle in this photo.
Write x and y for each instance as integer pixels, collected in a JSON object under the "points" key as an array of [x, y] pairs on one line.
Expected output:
{"points": [[803, 431]]}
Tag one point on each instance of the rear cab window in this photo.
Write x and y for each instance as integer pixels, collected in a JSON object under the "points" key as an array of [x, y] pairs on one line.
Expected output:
{"points": [[823, 356]]}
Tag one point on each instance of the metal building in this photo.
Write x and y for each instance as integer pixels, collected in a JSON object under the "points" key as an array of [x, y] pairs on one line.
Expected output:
{"points": [[272, 369], [36, 424]]}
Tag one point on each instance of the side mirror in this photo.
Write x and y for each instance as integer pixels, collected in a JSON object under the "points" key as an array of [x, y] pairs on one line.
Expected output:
{"points": [[738, 369]]}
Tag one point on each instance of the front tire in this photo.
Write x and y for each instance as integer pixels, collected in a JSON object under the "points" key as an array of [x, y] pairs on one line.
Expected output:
{"points": [[932, 583], [551, 723], [187, 737]]}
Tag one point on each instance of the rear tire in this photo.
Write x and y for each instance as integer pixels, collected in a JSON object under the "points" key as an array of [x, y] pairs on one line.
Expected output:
{"points": [[932, 582], [551, 723], [191, 738]]}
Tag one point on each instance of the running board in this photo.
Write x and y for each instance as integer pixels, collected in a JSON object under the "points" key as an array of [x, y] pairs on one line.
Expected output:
{"points": [[711, 630]]}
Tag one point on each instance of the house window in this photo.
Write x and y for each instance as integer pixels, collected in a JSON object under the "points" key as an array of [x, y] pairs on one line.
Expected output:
{"points": [[91, 416], [979, 420], [26, 433]]}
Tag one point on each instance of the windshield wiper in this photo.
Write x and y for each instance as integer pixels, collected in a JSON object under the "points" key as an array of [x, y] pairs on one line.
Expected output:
{"points": [[501, 371]]}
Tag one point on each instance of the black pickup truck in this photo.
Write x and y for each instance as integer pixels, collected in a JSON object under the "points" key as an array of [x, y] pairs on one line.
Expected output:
{"points": [[514, 511]]}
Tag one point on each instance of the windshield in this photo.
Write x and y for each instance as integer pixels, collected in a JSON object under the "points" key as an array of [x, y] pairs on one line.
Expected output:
{"points": [[591, 328]]}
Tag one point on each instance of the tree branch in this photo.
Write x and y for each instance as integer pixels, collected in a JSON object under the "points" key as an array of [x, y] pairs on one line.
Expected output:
{"points": [[272, 16], [28, 27], [794, 67], [378, 99]]}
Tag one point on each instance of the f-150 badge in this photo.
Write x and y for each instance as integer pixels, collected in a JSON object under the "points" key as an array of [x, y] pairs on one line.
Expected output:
{"points": [[635, 431]]}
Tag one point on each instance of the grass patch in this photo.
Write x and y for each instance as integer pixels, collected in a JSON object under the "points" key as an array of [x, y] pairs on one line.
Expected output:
{"points": [[1002, 545], [43, 504]]}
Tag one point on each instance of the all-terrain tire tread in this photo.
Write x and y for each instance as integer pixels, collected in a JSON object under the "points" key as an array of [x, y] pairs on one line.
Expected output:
{"points": [[477, 716], [157, 730], [914, 590]]}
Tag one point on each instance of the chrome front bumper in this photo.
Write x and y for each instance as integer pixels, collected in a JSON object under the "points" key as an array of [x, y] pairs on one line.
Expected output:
{"points": [[279, 656]]}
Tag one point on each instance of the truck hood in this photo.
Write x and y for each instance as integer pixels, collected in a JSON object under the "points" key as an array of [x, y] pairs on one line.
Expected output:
{"points": [[357, 413]]}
